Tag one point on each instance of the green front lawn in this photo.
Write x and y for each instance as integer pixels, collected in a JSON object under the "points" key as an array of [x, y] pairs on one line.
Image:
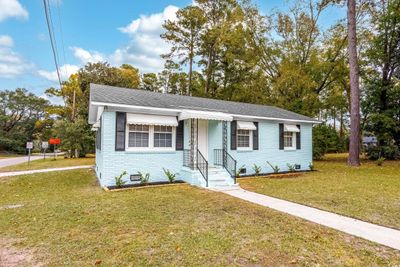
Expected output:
{"points": [[68, 220], [49, 162], [370, 192]]}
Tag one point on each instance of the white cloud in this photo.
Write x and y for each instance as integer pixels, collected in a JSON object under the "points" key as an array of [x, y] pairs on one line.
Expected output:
{"points": [[6, 40], [65, 71], [85, 56], [151, 23], [143, 49], [145, 45], [11, 63], [12, 8]]}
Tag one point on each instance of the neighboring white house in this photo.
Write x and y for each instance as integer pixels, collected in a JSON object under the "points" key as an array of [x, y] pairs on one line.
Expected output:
{"points": [[205, 141]]}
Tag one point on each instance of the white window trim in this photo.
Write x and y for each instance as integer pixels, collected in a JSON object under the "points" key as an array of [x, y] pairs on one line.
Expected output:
{"points": [[294, 140], [151, 147], [250, 147]]}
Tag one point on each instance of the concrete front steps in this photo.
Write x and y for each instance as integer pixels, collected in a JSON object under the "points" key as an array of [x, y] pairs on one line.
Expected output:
{"points": [[219, 178]]}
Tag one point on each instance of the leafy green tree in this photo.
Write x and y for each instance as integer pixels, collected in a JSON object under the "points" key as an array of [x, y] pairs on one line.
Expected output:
{"points": [[381, 98], [150, 82], [20, 112], [184, 35], [325, 139], [76, 137]]}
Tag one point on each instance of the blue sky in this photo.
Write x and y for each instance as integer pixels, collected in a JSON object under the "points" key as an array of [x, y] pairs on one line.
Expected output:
{"points": [[119, 32]]}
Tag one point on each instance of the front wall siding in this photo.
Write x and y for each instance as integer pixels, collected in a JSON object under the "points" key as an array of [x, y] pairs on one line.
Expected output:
{"points": [[111, 163], [115, 162], [269, 150]]}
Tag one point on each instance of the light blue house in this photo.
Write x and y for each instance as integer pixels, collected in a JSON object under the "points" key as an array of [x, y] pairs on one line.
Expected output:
{"points": [[205, 141]]}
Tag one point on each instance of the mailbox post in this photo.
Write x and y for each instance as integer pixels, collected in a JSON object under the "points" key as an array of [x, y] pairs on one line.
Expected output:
{"points": [[55, 142]]}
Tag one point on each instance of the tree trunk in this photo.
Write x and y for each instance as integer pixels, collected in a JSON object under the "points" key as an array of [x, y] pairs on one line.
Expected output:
{"points": [[189, 91], [354, 148]]}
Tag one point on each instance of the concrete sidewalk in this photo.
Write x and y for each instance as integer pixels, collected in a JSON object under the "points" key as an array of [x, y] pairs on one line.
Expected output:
{"points": [[6, 174], [372, 232]]}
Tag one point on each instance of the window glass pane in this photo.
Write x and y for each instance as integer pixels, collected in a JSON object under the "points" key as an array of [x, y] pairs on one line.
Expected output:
{"points": [[138, 128], [138, 135], [138, 139], [163, 129], [288, 139], [243, 138], [162, 140]]}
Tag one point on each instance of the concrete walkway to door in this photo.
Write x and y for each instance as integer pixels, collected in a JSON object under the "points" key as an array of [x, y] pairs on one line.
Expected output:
{"points": [[372, 232]]}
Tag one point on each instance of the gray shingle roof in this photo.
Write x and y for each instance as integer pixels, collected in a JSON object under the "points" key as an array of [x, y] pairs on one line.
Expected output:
{"points": [[126, 96]]}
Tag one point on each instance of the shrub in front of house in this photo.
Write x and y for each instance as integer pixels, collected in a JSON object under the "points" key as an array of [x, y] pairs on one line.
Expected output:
{"points": [[144, 177], [291, 167], [256, 169], [170, 175], [275, 168], [239, 171], [311, 166], [119, 182]]}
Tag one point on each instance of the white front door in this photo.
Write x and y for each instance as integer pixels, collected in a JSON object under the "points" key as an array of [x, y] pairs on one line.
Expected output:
{"points": [[203, 137]]}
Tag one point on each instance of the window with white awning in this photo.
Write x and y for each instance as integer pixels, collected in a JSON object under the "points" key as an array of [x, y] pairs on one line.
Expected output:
{"points": [[204, 115], [289, 136], [291, 128], [246, 125], [144, 119], [150, 132]]}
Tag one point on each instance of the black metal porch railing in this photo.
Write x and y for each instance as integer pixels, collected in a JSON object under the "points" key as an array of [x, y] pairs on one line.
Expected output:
{"points": [[223, 158], [202, 163], [187, 159], [202, 166]]}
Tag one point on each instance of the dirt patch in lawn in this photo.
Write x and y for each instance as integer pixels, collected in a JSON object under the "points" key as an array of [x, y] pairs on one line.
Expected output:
{"points": [[11, 255]]}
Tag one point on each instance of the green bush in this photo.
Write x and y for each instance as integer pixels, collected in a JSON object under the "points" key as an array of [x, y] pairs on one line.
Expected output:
{"points": [[170, 175], [326, 139], [256, 169], [380, 161], [274, 167], [119, 182], [291, 167], [144, 177], [239, 170], [311, 166], [387, 152]]}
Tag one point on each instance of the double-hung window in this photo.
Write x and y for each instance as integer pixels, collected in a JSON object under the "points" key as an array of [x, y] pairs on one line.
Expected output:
{"points": [[162, 136], [244, 139], [150, 137], [139, 135], [288, 139]]}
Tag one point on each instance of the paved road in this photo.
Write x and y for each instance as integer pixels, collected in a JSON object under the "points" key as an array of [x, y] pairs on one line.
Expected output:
{"points": [[376, 233], [17, 160]]}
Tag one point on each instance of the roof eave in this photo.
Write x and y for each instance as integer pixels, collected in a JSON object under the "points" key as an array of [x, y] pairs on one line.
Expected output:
{"points": [[157, 109]]}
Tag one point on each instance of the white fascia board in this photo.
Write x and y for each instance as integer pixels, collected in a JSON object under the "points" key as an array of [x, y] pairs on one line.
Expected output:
{"points": [[272, 119], [248, 117]]}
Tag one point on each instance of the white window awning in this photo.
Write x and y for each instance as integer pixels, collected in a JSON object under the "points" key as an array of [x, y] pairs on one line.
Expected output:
{"points": [[204, 115], [246, 125], [291, 128], [144, 119]]}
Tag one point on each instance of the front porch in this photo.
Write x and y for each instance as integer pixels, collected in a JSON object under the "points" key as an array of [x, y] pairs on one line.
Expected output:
{"points": [[205, 156]]}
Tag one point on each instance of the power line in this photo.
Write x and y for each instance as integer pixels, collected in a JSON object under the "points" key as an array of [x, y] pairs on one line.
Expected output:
{"points": [[52, 39], [62, 39]]}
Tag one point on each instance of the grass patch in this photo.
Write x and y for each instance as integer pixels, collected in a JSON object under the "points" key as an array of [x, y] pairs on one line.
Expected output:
{"points": [[68, 220], [369, 192], [49, 162]]}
